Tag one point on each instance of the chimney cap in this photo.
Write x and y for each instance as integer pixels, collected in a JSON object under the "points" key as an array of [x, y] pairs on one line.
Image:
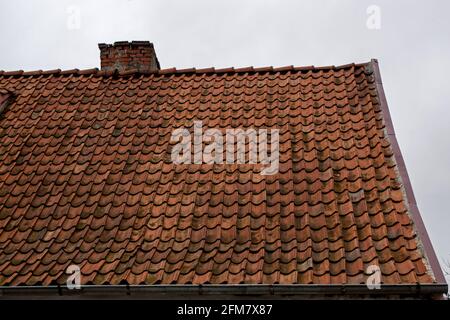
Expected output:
{"points": [[125, 43]]}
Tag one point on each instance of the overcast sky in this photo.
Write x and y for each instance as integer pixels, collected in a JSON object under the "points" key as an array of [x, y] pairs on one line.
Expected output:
{"points": [[412, 46]]}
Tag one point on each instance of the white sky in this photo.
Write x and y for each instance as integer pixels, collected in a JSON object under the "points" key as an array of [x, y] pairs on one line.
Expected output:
{"points": [[412, 47]]}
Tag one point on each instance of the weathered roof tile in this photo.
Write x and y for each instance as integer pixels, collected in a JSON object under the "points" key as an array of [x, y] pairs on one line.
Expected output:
{"points": [[86, 178]]}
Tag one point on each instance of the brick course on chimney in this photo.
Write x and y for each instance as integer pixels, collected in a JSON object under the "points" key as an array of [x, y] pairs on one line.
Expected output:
{"points": [[127, 56]]}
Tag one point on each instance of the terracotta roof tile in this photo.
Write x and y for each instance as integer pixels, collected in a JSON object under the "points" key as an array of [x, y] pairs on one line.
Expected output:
{"points": [[86, 178]]}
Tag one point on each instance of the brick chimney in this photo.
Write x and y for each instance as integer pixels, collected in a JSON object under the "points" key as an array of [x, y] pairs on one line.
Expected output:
{"points": [[126, 56]]}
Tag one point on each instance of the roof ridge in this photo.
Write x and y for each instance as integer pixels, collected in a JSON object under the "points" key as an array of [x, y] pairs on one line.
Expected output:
{"points": [[171, 71]]}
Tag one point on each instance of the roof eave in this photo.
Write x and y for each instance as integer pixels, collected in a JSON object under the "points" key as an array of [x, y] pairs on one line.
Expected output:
{"points": [[211, 290]]}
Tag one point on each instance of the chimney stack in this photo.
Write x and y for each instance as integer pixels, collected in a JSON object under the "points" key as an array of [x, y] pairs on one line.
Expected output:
{"points": [[126, 56]]}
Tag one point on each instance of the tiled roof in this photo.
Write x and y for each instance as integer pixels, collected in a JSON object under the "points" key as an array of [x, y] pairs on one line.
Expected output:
{"points": [[86, 179]]}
